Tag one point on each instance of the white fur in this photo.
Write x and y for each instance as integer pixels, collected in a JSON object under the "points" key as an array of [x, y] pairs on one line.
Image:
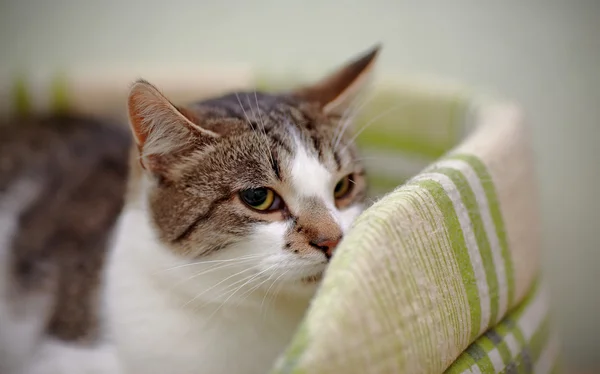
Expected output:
{"points": [[310, 177], [21, 320], [24, 348], [57, 357], [233, 311]]}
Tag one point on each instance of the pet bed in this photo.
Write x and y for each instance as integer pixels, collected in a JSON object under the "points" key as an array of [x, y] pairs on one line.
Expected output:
{"points": [[441, 273]]}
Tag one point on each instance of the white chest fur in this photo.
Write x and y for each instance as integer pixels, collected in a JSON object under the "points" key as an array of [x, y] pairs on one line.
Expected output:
{"points": [[166, 315]]}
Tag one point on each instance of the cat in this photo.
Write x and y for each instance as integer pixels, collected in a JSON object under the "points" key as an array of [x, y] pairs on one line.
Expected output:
{"points": [[62, 185], [234, 208]]}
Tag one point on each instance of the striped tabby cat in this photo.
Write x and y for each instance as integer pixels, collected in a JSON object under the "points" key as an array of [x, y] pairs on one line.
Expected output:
{"points": [[233, 209]]}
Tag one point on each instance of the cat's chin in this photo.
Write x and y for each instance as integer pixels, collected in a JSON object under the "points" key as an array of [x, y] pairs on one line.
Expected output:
{"points": [[304, 287], [313, 279]]}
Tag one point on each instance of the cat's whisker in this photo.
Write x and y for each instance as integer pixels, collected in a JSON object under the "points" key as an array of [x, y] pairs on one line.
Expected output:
{"points": [[219, 265], [277, 289], [243, 110], [257, 276], [220, 282], [236, 291], [246, 114], [256, 132], [343, 119], [250, 106], [361, 159], [209, 262], [247, 294], [372, 121], [250, 122], [346, 121], [226, 290], [252, 278], [210, 270], [230, 287], [347, 116], [249, 281], [264, 132], [271, 286]]}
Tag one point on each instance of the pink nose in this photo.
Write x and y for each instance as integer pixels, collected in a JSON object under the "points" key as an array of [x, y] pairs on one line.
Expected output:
{"points": [[327, 246]]}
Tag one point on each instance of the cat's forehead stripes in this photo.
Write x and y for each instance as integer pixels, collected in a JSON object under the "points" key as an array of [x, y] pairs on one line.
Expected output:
{"points": [[280, 121]]}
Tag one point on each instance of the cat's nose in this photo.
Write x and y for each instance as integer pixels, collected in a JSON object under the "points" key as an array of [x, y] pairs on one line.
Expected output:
{"points": [[326, 245]]}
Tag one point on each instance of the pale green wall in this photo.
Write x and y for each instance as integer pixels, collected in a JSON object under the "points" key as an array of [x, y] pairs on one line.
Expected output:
{"points": [[544, 54]]}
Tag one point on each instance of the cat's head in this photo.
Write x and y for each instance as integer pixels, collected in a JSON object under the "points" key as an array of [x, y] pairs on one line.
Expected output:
{"points": [[274, 179]]}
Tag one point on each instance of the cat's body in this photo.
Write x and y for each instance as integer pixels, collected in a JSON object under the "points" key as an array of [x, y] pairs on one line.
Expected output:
{"points": [[62, 181], [233, 210]]}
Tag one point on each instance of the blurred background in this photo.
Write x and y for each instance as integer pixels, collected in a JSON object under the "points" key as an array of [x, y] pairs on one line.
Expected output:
{"points": [[545, 55]]}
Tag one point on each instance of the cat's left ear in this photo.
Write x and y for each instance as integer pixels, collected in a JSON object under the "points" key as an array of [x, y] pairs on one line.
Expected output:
{"points": [[336, 92], [160, 129]]}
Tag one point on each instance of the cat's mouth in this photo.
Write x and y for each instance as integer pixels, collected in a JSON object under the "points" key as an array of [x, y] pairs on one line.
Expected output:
{"points": [[312, 279]]}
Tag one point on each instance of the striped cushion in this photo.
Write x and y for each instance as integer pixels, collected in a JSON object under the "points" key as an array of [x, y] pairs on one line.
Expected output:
{"points": [[436, 264], [522, 343]]}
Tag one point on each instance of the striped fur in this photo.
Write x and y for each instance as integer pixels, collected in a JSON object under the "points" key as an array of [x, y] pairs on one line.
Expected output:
{"points": [[62, 181]]}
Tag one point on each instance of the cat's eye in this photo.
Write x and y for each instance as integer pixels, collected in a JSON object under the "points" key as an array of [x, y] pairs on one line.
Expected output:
{"points": [[262, 199], [343, 187]]}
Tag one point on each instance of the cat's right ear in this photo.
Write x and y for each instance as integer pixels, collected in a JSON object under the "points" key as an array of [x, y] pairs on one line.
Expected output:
{"points": [[338, 90], [160, 129]]}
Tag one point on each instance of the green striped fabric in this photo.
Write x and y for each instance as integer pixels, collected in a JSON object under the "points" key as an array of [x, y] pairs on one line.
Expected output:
{"points": [[440, 274], [522, 343]]}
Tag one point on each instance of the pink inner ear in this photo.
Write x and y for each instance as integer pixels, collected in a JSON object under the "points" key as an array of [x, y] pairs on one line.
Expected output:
{"points": [[136, 119]]}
